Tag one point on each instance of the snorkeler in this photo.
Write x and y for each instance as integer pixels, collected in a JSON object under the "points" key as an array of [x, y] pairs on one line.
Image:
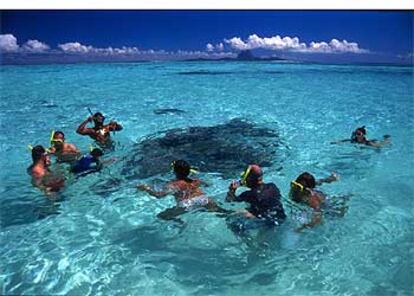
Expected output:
{"points": [[264, 198], [100, 132], [303, 191], [41, 175], [187, 193], [359, 137], [89, 163], [64, 152]]}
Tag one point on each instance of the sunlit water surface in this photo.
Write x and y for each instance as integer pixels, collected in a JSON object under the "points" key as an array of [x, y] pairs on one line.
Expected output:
{"points": [[102, 239]]}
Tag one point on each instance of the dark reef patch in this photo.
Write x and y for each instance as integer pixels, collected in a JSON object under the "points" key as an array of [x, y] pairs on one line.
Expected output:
{"points": [[225, 149]]}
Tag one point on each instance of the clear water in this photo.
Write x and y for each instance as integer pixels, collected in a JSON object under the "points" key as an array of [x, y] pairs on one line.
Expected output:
{"points": [[98, 239]]}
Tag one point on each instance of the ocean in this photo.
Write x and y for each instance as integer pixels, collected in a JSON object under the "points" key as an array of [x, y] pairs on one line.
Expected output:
{"points": [[100, 236]]}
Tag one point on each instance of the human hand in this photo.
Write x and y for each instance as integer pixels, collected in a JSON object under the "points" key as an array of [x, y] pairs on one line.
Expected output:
{"points": [[143, 187], [234, 185], [90, 118], [334, 176]]}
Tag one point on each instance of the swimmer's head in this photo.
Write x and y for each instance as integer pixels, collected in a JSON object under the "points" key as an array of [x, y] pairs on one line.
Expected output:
{"points": [[359, 135], [58, 139], [307, 180], [181, 168], [300, 187], [39, 154], [252, 176], [96, 153], [98, 119]]}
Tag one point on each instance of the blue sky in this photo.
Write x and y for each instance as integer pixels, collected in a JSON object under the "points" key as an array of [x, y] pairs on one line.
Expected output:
{"points": [[355, 36]]}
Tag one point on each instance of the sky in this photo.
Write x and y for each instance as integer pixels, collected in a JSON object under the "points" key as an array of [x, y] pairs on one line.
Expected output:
{"points": [[322, 36]]}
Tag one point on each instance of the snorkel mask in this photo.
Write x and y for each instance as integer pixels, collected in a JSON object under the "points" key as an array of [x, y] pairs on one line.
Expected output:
{"points": [[297, 185], [54, 141]]}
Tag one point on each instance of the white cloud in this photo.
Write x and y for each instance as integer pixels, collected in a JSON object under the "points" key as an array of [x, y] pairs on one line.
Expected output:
{"points": [[75, 47], [35, 46], [293, 44], [8, 43], [272, 43], [218, 47], [335, 46]]}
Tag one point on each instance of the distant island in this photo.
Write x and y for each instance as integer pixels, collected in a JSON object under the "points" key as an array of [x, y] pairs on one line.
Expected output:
{"points": [[244, 55]]}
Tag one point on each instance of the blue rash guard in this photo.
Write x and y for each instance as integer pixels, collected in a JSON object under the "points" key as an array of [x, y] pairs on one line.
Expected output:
{"points": [[85, 164]]}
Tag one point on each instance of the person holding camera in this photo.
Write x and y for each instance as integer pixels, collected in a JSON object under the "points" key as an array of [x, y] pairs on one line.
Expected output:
{"points": [[264, 199]]}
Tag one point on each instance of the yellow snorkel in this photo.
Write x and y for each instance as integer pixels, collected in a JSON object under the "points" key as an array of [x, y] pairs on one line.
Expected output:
{"points": [[298, 185], [244, 175], [52, 134]]}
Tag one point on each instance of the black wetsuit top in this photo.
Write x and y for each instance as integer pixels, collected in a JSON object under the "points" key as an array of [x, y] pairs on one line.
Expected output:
{"points": [[264, 202]]}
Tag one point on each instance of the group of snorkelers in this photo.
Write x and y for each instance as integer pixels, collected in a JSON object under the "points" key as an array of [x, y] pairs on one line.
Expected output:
{"points": [[64, 152], [263, 199]]}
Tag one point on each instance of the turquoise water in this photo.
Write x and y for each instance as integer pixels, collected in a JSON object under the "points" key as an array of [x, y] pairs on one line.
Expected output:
{"points": [[101, 237]]}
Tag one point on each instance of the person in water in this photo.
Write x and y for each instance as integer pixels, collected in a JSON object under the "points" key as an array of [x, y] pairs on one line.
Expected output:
{"points": [[100, 132], [187, 193], [64, 152], [303, 191], [359, 137], [89, 163], [42, 177], [264, 199]]}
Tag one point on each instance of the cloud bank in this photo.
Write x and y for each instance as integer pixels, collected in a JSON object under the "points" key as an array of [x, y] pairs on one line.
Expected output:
{"points": [[293, 44], [78, 51]]}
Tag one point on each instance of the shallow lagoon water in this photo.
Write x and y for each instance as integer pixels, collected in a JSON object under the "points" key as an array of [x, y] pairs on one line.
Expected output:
{"points": [[101, 236]]}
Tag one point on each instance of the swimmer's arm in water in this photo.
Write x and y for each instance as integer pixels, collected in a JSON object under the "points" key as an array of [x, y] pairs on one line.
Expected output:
{"points": [[152, 192], [83, 130], [379, 144], [315, 204], [316, 219], [114, 126], [341, 141], [231, 194], [332, 178], [51, 150], [71, 149]]}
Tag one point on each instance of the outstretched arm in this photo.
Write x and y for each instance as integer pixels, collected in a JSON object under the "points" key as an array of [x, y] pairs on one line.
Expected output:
{"points": [[315, 204], [341, 141], [152, 192], [379, 144], [82, 129], [332, 178]]}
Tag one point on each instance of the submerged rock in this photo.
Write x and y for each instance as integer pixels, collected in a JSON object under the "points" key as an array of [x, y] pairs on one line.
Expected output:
{"points": [[225, 149]]}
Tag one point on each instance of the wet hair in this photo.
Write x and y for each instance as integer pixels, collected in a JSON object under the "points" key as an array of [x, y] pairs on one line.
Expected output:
{"points": [[59, 133], [181, 168], [307, 180], [98, 114], [37, 153], [96, 152]]}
